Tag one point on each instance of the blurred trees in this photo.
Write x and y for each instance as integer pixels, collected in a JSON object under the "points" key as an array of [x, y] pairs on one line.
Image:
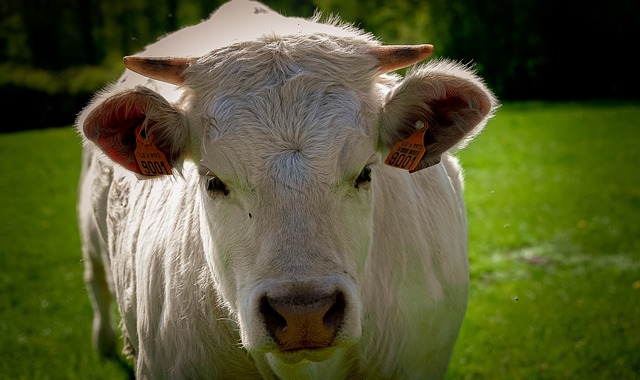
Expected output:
{"points": [[545, 49], [54, 34], [525, 49]]}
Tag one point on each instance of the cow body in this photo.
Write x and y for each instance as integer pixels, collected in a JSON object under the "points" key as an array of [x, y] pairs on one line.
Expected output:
{"points": [[281, 246]]}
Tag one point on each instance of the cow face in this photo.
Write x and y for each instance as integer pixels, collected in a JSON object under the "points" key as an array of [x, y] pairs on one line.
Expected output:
{"points": [[286, 156], [286, 134], [287, 171]]}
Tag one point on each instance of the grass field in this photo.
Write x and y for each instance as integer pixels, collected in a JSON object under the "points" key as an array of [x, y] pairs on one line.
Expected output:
{"points": [[553, 195]]}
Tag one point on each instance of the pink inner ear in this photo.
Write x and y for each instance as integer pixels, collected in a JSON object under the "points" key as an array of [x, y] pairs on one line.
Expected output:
{"points": [[449, 118], [443, 108], [112, 125]]}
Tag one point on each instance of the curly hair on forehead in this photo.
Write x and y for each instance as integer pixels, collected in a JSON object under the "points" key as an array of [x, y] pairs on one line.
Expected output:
{"points": [[273, 60]]}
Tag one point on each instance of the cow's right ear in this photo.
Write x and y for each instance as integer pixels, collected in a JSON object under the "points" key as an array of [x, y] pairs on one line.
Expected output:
{"points": [[113, 126]]}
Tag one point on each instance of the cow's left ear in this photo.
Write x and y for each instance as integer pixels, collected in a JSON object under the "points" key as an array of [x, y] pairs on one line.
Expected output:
{"points": [[447, 97]]}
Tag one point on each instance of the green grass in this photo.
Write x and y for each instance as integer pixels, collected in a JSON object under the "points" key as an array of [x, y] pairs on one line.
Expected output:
{"points": [[45, 316], [553, 196]]}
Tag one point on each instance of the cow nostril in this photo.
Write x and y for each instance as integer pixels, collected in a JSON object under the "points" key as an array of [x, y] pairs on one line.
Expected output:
{"points": [[335, 315], [272, 319]]}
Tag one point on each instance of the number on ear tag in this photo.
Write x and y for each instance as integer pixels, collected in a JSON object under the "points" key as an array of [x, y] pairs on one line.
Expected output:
{"points": [[406, 154], [151, 161]]}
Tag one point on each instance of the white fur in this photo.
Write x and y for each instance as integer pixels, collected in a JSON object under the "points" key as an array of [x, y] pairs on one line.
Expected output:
{"points": [[287, 121]]}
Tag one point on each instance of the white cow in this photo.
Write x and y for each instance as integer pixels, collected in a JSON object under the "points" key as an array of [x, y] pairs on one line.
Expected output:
{"points": [[281, 246]]}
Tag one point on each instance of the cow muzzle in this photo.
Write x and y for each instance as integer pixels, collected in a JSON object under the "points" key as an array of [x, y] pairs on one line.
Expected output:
{"points": [[301, 321], [301, 318]]}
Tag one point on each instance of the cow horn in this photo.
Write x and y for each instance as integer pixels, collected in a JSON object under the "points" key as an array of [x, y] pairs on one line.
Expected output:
{"points": [[395, 57], [166, 69]]}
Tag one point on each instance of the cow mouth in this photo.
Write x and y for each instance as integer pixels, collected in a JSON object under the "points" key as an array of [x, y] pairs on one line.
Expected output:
{"points": [[302, 355]]}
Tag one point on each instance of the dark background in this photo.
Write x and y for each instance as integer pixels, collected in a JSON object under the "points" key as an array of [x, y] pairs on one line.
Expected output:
{"points": [[54, 54]]}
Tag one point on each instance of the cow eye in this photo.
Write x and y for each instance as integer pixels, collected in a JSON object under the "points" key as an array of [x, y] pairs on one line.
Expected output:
{"points": [[364, 178], [215, 185]]}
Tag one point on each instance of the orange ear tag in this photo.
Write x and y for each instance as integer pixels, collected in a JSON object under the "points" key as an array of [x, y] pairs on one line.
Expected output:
{"points": [[151, 161], [406, 154]]}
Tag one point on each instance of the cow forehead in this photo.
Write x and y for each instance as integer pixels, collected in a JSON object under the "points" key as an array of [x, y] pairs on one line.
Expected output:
{"points": [[294, 112], [275, 60], [300, 101], [303, 133]]}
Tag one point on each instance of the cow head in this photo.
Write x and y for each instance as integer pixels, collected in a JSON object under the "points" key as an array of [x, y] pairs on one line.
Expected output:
{"points": [[287, 135]]}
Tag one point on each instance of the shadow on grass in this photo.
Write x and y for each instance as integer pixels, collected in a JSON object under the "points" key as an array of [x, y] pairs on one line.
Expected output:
{"points": [[125, 366]]}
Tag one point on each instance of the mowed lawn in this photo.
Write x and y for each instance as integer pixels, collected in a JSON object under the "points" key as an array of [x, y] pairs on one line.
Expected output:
{"points": [[553, 197]]}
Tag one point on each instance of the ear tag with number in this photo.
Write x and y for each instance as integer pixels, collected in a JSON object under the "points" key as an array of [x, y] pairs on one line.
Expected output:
{"points": [[406, 154], [151, 161]]}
